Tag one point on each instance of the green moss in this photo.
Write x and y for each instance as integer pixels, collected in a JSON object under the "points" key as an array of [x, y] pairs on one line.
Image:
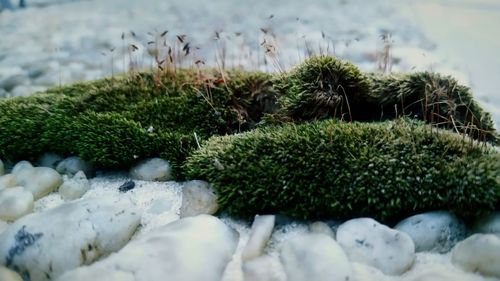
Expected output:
{"points": [[325, 87], [433, 98], [332, 169]]}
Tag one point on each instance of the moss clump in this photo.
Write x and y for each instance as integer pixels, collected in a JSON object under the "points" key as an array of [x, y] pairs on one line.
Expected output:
{"points": [[118, 121], [435, 99], [331, 169], [326, 87]]}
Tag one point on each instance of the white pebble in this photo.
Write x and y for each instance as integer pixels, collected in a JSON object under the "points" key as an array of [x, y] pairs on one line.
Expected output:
{"points": [[198, 197], [8, 180], [15, 202], [369, 242], [478, 253], [40, 180], [75, 187], [262, 228], [155, 169], [9, 275]]}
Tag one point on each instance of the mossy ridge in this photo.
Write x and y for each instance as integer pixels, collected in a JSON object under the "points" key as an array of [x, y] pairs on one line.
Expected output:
{"points": [[170, 107], [326, 87], [435, 99], [332, 169]]}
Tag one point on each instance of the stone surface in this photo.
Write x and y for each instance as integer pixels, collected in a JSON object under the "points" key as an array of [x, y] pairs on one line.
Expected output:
{"points": [[72, 165], [366, 241], [363, 272], [478, 253], [9, 275], [50, 160], [44, 245], [8, 180], [40, 181], [198, 197], [2, 168], [75, 187], [20, 166], [154, 169], [436, 231], [15, 202], [314, 257], [488, 224], [262, 228], [190, 249], [3, 226], [263, 268], [321, 227]]}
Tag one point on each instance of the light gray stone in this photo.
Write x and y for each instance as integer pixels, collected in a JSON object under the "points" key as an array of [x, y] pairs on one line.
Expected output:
{"points": [[40, 181], [198, 197], [314, 257], [263, 268], [75, 187], [3, 226], [15, 202], [262, 228], [12, 81], [71, 165], [21, 166], [154, 169], [366, 241], [45, 245], [478, 253], [8, 180], [436, 231], [50, 160], [9, 275], [321, 227], [190, 249], [488, 224]]}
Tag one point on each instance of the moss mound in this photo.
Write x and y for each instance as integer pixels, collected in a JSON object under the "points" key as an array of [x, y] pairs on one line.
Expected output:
{"points": [[325, 87], [331, 169], [433, 98]]}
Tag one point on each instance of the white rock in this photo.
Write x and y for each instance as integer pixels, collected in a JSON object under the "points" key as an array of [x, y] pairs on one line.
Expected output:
{"points": [[2, 168], [71, 165], [20, 166], [262, 228], [314, 257], [15, 202], [75, 187], [154, 169], [190, 249], [488, 224], [263, 268], [198, 197], [40, 180], [363, 272], [366, 241], [478, 253], [436, 231], [3, 226], [9, 275], [45, 245], [8, 180], [321, 227], [50, 160], [440, 274]]}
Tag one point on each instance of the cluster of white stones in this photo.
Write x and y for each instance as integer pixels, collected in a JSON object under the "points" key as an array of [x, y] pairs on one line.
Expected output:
{"points": [[56, 224]]}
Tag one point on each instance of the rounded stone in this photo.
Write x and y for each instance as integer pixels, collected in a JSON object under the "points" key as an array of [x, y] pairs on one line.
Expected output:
{"points": [[478, 253], [74, 187], [40, 180], [9, 275], [314, 257], [8, 180], [21, 166], [367, 241], [154, 169], [198, 197], [436, 231], [50, 160], [488, 224], [71, 165], [15, 202]]}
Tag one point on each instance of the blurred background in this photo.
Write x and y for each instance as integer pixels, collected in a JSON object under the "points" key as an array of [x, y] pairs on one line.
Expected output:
{"points": [[44, 43]]}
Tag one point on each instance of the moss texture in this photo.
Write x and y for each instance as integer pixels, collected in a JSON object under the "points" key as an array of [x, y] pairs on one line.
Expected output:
{"points": [[433, 98], [325, 87], [332, 169]]}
